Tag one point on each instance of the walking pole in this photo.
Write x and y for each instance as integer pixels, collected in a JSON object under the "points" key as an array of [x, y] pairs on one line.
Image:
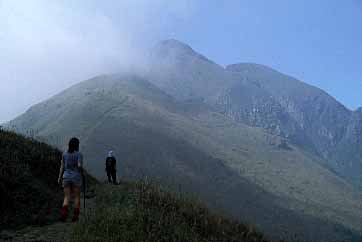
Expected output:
{"points": [[84, 189]]}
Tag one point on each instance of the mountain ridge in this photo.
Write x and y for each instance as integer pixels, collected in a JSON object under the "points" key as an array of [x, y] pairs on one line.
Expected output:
{"points": [[303, 114]]}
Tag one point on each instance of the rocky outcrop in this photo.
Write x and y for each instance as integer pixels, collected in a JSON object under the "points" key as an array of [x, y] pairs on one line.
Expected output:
{"points": [[304, 114]]}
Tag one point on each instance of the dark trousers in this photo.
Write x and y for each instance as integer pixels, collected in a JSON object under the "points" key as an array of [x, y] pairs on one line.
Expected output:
{"points": [[112, 176]]}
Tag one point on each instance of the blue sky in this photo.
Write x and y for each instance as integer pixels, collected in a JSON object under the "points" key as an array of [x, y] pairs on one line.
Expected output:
{"points": [[47, 46], [319, 42]]}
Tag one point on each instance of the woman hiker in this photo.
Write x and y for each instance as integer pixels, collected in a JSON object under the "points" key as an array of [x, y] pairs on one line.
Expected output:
{"points": [[70, 176]]}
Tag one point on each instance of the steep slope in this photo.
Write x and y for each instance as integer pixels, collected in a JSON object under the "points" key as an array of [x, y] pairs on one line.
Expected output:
{"points": [[319, 122], [349, 149], [319, 115], [239, 169], [246, 102]]}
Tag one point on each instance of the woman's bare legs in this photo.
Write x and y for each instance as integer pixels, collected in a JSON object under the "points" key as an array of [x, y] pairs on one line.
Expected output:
{"points": [[76, 193], [64, 210], [67, 192]]}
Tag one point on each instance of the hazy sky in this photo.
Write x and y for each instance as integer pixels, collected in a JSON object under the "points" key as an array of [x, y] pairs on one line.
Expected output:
{"points": [[46, 46]]}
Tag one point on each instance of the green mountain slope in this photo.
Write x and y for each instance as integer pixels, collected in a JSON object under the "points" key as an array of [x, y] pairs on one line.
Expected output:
{"points": [[238, 169]]}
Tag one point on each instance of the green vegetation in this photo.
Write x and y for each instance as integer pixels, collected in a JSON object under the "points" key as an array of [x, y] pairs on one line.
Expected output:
{"points": [[145, 212], [129, 212], [29, 191], [29, 170]]}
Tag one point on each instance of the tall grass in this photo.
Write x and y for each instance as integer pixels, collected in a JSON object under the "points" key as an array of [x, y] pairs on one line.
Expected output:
{"points": [[144, 211]]}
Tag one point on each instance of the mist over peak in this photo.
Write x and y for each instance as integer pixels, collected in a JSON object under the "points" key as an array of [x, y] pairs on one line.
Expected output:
{"points": [[176, 50], [174, 44], [47, 46]]}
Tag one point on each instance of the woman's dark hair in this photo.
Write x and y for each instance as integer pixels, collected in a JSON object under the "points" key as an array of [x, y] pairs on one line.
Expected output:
{"points": [[73, 145]]}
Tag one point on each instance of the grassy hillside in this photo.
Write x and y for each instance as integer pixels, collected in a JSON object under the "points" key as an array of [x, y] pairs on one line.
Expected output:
{"points": [[29, 191], [190, 144], [129, 212], [145, 212], [137, 211]]}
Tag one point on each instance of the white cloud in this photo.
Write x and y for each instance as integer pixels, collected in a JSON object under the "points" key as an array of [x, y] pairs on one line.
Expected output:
{"points": [[46, 46]]}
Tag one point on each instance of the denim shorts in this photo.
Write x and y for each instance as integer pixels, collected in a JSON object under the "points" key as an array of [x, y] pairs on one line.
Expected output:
{"points": [[75, 181]]}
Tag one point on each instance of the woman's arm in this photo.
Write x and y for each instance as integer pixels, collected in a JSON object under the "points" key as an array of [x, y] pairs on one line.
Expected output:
{"points": [[61, 171]]}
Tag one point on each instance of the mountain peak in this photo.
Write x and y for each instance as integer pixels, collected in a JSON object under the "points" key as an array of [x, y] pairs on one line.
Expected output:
{"points": [[175, 51], [174, 43], [175, 48]]}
